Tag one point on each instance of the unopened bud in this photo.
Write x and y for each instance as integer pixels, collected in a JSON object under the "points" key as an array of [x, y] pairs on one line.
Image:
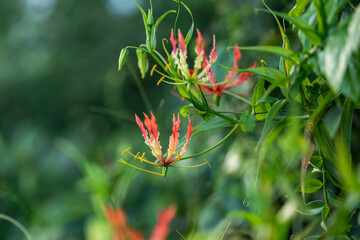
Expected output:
{"points": [[122, 58], [143, 62]]}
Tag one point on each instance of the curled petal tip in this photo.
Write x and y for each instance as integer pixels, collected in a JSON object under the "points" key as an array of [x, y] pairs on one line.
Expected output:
{"points": [[213, 54], [237, 53], [173, 42], [181, 42], [199, 40], [190, 128]]}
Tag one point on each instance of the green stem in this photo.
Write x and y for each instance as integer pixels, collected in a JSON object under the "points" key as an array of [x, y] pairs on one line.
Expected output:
{"points": [[216, 145], [142, 91], [18, 225], [223, 116], [157, 59], [238, 97]]}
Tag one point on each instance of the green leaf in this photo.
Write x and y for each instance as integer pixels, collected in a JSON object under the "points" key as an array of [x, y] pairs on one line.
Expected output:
{"points": [[145, 20], [325, 212], [307, 29], [247, 121], [214, 123], [270, 116], [340, 60], [312, 185], [122, 58], [184, 111], [299, 8], [270, 138], [313, 208], [316, 161], [335, 200], [272, 75], [324, 142], [191, 30], [158, 21], [260, 109], [279, 51], [267, 99]]}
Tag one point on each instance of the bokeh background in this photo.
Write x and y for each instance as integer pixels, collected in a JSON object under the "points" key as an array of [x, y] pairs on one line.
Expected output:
{"points": [[66, 114]]}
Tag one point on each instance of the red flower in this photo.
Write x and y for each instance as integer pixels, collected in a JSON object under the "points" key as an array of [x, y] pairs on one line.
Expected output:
{"points": [[231, 80], [154, 143], [179, 57], [162, 227], [121, 231]]}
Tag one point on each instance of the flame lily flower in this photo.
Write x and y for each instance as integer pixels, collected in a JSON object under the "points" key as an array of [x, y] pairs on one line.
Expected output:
{"points": [[231, 81], [178, 68], [121, 230], [151, 136]]}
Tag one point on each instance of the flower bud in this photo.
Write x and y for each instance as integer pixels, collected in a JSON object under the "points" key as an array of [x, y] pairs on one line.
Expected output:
{"points": [[143, 62], [122, 58]]}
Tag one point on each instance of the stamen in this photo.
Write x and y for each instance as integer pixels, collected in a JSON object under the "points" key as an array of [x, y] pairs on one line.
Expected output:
{"points": [[136, 155], [208, 162], [162, 78], [167, 67], [121, 160], [125, 151], [152, 70], [142, 157], [228, 79], [178, 156]]}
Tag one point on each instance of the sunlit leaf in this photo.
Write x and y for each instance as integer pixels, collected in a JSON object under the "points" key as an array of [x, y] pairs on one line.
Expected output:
{"points": [[299, 8]]}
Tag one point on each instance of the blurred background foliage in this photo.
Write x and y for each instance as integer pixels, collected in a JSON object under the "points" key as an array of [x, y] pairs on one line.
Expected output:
{"points": [[66, 114]]}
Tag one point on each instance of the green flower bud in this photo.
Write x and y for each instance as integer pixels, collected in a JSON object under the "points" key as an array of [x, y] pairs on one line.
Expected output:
{"points": [[143, 62], [122, 58]]}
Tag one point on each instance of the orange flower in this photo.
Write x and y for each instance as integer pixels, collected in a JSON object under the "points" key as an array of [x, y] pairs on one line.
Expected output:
{"points": [[217, 89], [121, 231], [153, 140]]}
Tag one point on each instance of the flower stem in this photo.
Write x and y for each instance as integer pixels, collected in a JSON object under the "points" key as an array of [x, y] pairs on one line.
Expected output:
{"points": [[18, 225], [223, 116], [238, 97], [216, 145]]}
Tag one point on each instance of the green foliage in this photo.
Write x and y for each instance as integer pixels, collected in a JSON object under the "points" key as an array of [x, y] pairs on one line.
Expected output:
{"points": [[295, 176]]}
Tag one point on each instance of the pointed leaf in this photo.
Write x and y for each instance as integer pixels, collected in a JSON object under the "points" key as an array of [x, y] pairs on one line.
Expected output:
{"points": [[272, 75], [279, 51]]}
